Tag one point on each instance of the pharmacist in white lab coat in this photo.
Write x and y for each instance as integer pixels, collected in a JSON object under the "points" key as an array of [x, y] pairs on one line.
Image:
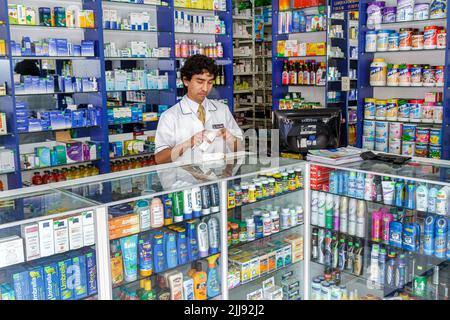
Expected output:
{"points": [[196, 125]]}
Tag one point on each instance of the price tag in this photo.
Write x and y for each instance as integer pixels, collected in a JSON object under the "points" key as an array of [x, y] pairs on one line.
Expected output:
{"points": [[345, 84]]}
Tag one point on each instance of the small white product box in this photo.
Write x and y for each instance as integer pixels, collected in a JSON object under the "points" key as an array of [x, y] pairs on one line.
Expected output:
{"points": [[61, 232], [46, 239], [11, 251], [88, 228], [75, 232], [30, 234]]}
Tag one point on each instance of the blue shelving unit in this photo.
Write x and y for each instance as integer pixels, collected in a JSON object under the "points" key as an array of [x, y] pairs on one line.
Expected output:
{"points": [[365, 59], [165, 36]]}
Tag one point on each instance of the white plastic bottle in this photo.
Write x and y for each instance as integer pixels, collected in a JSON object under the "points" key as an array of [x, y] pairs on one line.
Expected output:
{"points": [[294, 217], [422, 198], [336, 218], [343, 215], [315, 208], [251, 228], [322, 210], [373, 268], [275, 221], [299, 210], [432, 194], [361, 219], [267, 225], [352, 217], [442, 201]]}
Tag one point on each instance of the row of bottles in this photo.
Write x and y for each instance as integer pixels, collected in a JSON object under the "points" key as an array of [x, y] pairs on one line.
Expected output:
{"points": [[305, 73], [134, 163], [187, 49], [64, 174]]}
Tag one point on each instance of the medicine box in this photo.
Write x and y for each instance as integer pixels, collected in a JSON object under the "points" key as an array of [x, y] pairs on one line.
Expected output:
{"points": [[30, 235], [11, 251]]}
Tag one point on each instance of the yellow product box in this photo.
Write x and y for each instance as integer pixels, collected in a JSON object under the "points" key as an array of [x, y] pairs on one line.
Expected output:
{"points": [[272, 260], [243, 266], [234, 277], [149, 116], [124, 231], [12, 14], [311, 49], [90, 19], [321, 49], [133, 146], [3, 128], [295, 241], [116, 269], [297, 256], [254, 267], [2, 47], [291, 48], [123, 221], [263, 262], [281, 45]]}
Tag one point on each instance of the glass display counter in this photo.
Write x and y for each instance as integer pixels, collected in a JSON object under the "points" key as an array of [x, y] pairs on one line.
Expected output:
{"points": [[379, 231]]}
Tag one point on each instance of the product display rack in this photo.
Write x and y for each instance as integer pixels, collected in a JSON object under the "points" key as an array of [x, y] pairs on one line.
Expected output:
{"points": [[352, 100], [439, 57], [164, 36]]}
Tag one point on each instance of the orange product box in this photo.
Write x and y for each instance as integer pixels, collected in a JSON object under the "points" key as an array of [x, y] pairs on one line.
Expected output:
{"points": [[124, 231], [321, 49], [123, 221]]}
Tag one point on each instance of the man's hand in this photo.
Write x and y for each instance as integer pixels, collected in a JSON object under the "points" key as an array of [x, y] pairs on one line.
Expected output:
{"points": [[226, 135], [197, 139]]}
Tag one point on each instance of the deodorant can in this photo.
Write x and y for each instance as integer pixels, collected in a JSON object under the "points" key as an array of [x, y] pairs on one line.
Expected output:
{"points": [[441, 238]]}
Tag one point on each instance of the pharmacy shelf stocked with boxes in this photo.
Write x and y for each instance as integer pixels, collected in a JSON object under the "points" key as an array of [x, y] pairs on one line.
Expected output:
{"points": [[403, 75], [379, 231]]}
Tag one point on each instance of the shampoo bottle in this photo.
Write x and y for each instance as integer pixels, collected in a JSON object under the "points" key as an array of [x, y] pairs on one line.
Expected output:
{"points": [[145, 256], [171, 250], [159, 263], [187, 204], [142, 209], [182, 246], [213, 282], [168, 213], [203, 241], [422, 198], [200, 279], [196, 202], [432, 194]]}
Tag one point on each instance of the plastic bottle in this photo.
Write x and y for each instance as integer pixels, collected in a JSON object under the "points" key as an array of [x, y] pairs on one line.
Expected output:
{"points": [[411, 195], [374, 274], [299, 210], [182, 246], [400, 193], [142, 209], [370, 188], [329, 211], [147, 293], [203, 239], [145, 257], [322, 210], [171, 250], [382, 266], [361, 217], [250, 229], [200, 286], [275, 221], [343, 215], [429, 235], [156, 213], [196, 202], [376, 226], [443, 201], [267, 225], [432, 194], [360, 185], [352, 184], [213, 281], [214, 235], [187, 204], [352, 217], [314, 208]]}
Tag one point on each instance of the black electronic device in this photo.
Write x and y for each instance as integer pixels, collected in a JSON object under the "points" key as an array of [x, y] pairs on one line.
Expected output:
{"points": [[308, 129]]}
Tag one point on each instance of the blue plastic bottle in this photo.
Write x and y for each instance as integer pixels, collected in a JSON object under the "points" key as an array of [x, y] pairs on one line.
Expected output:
{"points": [[168, 214], [340, 179], [428, 235], [432, 194], [171, 250], [345, 176], [400, 193], [145, 256], [441, 238], [351, 192], [191, 232], [411, 195], [333, 182], [182, 246], [159, 259]]}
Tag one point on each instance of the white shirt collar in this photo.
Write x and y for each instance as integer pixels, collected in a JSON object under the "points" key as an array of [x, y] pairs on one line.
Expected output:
{"points": [[193, 106]]}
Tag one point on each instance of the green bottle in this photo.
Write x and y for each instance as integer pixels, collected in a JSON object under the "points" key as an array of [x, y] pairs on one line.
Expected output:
{"points": [[148, 293]]}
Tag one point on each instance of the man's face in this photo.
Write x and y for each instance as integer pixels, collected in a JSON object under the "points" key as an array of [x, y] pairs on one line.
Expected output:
{"points": [[199, 86]]}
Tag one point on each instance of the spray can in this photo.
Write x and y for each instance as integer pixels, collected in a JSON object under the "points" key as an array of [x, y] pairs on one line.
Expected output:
{"points": [[187, 204], [369, 188], [335, 251], [382, 266], [215, 198], [196, 202], [360, 185], [350, 255], [343, 215], [345, 176], [441, 238], [399, 194], [379, 189], [333, 182], [206, 200], [358, 253], [315, 244], [340, 179], [400, 272], [351, 191], [336, 203], [387, 218], [321, 244], [329, 211], [322, 210], [214, 235], [328, 253], [390, 270], [314, 207], [361, 219], [342, 254], [352, 217], [428, 235], [374, 267], [411, 195], [376, 226]]}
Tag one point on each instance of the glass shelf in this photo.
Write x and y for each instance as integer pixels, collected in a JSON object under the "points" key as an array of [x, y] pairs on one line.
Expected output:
{"points": [[305, 32], [427, 124], [54, 130], [47, 28], [407, 51], [52, 93], [60, 165], [137, 58], [115, 31], [277, 196], [112, 91], [412, 22], [197, 10], [132, 155], [111, 3], [54, 58], [283, 58]]}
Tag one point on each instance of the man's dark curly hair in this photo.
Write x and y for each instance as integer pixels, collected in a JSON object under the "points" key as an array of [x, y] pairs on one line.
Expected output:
{"points": [[198, 64]]}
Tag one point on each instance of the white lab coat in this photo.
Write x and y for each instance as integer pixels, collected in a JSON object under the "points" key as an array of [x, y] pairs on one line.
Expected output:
{"points": [[180, 122]]}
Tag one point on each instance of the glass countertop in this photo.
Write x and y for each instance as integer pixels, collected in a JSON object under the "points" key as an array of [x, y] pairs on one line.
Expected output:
{"points": [[175, 177], [20, 207], [412, 169]]}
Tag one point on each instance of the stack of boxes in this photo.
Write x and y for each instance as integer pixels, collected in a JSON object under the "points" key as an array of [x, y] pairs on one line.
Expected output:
{"points": [[319, 177], [72, 117], [136, 21], [131, 147], [188, 23], [123, 221], [55, 84], [136, 49], [292, 48], [64, 152], [121, 80], [52, 47]]}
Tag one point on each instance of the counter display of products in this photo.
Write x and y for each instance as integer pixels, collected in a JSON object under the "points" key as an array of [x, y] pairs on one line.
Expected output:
{"points": [[378, 235], [161, 233]]}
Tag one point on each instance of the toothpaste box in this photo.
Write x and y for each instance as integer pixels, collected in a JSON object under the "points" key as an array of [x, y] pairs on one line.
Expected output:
{"points": [[21, 283], [91, 272], [65, 278], [51, 280], [30, 234], [37, 286], [79, 276]]}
